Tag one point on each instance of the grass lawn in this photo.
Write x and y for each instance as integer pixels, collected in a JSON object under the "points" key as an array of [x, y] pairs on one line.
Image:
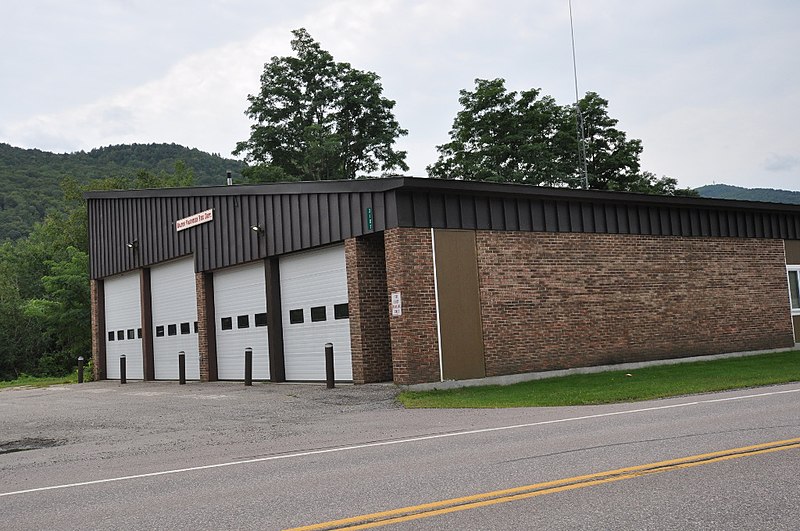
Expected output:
{"points": [[619, 386], [35, 381]]}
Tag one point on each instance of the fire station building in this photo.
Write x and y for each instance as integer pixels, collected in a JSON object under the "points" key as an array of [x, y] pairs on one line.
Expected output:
{"points": [[423, 280]]}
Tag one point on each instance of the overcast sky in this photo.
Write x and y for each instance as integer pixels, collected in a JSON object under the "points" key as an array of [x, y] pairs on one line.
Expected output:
{"points": [[710, 86]]}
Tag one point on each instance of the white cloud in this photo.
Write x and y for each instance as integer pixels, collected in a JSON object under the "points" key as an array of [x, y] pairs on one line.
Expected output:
{"points": [[782, 163], [709, 90], [199, 102]]}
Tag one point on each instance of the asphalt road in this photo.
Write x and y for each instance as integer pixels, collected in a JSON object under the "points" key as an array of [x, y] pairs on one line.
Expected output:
{"points": [[219, 456]]}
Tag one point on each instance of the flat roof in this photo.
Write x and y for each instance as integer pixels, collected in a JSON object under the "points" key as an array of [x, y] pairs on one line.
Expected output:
{"points": [[445, 186]]}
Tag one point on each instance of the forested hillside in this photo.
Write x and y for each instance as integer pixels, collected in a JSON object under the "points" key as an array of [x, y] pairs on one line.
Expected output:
{"points": [[726, 191], [30, 179]]}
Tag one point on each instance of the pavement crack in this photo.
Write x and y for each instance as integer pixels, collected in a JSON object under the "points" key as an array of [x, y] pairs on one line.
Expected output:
{"points": [[29, 443], [645, 441]]}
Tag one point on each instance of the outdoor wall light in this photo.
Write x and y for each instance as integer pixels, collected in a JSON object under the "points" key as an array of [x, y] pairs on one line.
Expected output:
{"points": [[132, 245], [258, 229]]}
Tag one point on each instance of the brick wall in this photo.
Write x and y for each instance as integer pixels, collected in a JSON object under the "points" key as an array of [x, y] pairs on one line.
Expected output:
{"points": [[369, 309], [98, 317], [205, 328], [409, 270], [559, 300]]}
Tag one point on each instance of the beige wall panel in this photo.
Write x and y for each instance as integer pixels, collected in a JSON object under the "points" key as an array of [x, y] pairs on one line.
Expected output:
{"points": [[459, 305], [792, 248]]}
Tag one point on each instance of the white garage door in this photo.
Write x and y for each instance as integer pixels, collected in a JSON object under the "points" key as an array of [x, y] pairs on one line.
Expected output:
{"points": [[240, 307], [174, 301], [315, 312], [123, 325]]}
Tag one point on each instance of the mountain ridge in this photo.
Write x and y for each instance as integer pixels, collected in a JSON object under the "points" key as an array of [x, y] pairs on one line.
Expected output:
{"points": [[769, 195], [30, 178]]}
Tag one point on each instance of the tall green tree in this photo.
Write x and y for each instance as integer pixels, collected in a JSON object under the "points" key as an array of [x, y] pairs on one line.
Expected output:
{"points": [[612, 160], [63, 312], [506, 137], [21, 338], [526, 137], [318, 119], [44, 280]]}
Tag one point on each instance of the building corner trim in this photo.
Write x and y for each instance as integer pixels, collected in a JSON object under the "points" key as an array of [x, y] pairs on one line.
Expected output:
{"points": [[436, 298]]}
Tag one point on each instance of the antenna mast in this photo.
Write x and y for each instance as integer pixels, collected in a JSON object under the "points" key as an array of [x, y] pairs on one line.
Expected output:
{"points": [[578, 116]]}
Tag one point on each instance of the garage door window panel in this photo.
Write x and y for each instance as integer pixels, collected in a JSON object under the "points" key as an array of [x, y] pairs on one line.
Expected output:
{"points": [[239, 299], [314, 282], [341, 311], [123, 318], [174, 306], [296, 316], [318, 314]]}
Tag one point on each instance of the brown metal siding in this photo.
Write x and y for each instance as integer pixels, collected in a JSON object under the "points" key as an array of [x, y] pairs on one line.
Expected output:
{"points": [[290, 222], [796, 325], [464, 211], [302, 215], [792, 251], [277, 367], [145, 303], [459, 305]]}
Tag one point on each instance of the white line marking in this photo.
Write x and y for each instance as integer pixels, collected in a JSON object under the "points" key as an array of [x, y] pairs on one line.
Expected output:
{"points": [[396, 441]]}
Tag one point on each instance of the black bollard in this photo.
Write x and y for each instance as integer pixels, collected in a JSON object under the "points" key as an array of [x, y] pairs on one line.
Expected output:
{"points": [[80, 369], [248, 366], [181, 367], [122, 375], [329, 365]]}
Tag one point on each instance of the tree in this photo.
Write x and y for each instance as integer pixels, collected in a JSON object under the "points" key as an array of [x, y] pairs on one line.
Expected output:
{"points": [[44, 281], [528, 138], [29, 178], [612, 161], [63, 311], [503, 136], [21, 338], [318, 119]]}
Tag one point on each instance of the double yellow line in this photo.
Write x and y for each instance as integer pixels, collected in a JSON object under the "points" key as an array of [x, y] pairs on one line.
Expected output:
{"points": [[474, 501]]}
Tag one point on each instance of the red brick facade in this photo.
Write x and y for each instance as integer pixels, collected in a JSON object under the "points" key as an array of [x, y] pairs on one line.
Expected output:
{"points": [[205, 326], [369, 309], [414, 337], [547, 301], [97, 299], [559, 300]]}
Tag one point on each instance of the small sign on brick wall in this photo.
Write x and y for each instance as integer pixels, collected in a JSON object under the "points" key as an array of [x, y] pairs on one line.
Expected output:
{"points": [[397, 304]]}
